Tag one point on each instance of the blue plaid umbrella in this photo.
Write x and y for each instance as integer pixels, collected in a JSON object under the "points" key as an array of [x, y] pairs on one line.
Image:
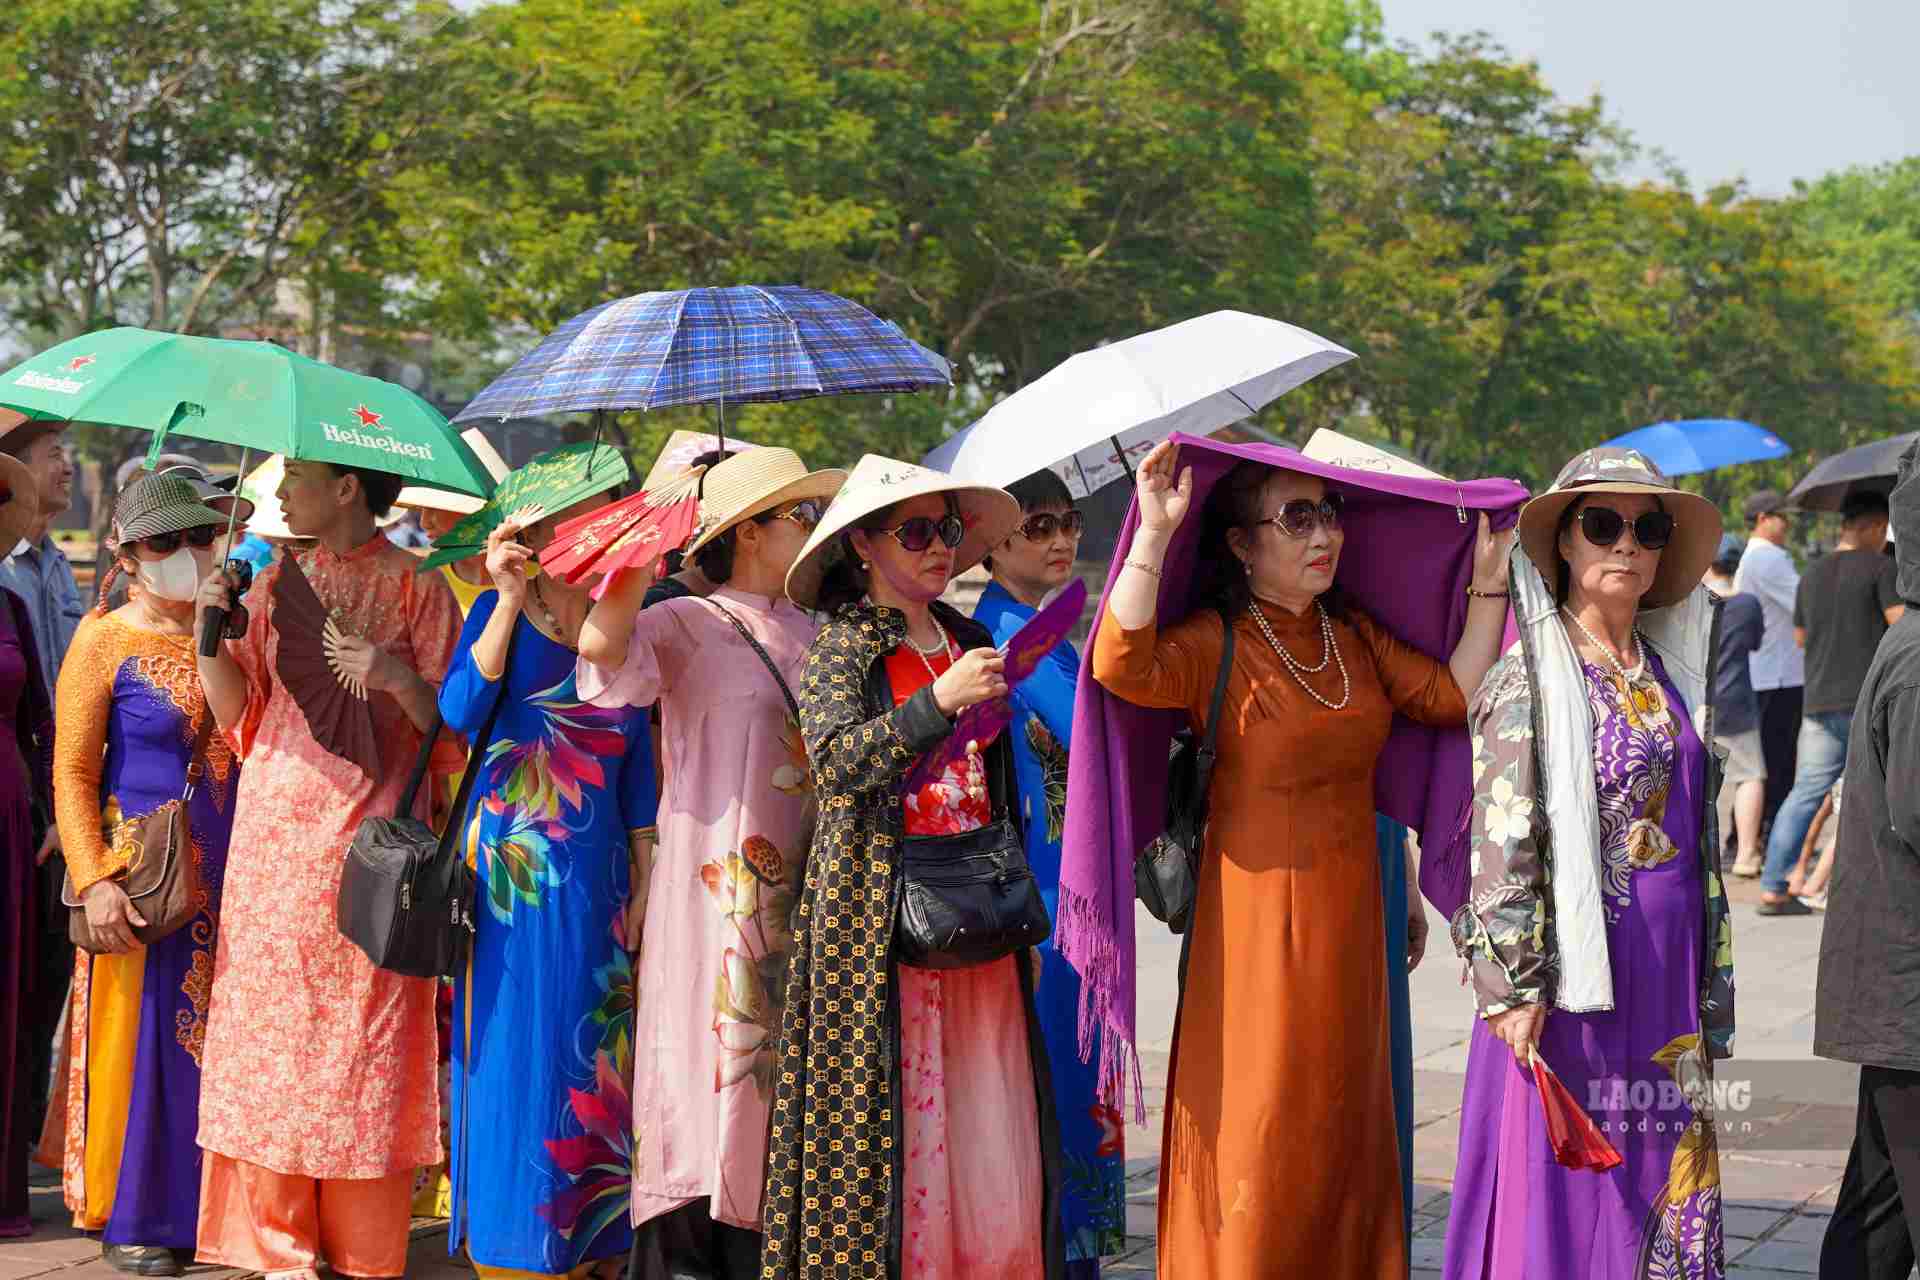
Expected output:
{"points": [[705, 346]]}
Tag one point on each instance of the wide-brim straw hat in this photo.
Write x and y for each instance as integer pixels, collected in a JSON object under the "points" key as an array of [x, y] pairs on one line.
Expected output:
{"points": [[159, 504], [876, 483], [19, 502], [754, 482], [1696, 522]]}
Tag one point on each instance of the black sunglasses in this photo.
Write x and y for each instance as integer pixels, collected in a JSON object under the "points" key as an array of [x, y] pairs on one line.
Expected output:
{"points": [[166, 544], [1041, 527], [1602, 526], [918, 533], [1297, 518]]}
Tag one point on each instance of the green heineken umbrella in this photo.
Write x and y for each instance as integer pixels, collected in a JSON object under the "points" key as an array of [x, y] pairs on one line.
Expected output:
{"points": [[257, 395]]}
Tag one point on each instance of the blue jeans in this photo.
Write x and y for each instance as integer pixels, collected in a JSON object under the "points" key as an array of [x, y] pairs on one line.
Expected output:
{"points": [[1821, 756]]}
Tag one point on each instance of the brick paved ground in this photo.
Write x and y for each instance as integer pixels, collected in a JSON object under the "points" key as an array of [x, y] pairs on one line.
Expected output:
{"points": [[1779, 1180]]}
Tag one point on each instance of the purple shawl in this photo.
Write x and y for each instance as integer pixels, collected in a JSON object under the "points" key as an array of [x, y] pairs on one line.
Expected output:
{"points": [[1407, 561]]}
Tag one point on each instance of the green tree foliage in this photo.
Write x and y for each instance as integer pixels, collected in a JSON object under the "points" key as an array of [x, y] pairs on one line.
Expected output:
{"points": [[1010, 180]]}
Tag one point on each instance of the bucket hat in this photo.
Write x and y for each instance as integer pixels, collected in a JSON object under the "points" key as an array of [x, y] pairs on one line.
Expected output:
{"points": [[159, 504], [876, 483], [1608, 469]]}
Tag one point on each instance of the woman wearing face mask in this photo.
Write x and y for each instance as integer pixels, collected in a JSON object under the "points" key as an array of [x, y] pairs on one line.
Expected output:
{"points": [[1596, 933], [130, 714], [916, 1098], [713, 900], [543, 1015], [1030, 565]]}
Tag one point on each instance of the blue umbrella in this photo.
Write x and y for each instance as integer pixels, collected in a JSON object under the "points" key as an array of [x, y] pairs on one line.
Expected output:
{"points": [[707, 346], [1703, 444]]}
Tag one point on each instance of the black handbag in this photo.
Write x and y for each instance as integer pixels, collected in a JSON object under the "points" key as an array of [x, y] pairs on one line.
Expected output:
{"points": [[1167, 871], [969, 899], [406, 895]]}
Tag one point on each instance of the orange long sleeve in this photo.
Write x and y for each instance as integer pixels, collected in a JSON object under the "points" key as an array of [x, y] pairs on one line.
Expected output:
{"points": [[81, 712]]}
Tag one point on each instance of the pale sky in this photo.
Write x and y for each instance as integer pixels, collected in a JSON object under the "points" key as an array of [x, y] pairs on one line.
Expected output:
{"points": [[1766, 90]]}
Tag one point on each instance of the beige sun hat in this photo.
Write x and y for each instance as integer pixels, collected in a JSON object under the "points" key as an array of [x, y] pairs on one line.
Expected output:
{"points": [[990, 516], [1609, 469], [757, 481]]}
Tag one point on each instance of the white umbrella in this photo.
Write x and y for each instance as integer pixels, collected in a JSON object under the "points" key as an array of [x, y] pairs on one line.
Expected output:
{"points": [[1096, 413]]}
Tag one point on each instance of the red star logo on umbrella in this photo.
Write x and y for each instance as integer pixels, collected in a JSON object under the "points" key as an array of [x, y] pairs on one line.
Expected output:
{"points": [[78, 363], [368, 418]]}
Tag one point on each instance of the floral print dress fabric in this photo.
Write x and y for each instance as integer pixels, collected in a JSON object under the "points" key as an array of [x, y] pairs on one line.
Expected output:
{"points": [[543, 1020], [318, 1064], [726, 869], [1640, 1069]]}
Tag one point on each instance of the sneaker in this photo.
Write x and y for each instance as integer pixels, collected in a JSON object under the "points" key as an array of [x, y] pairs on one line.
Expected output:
{"points": [[1784, 907]]}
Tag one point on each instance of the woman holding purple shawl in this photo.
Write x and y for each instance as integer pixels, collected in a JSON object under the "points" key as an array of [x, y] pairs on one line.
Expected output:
{"points": [[1280, 1153], [1596, 892]]}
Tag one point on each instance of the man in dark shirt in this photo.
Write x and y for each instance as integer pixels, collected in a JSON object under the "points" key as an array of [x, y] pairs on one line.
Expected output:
{"points": [[1846, 602], [1736, 709], [1869, 984]]}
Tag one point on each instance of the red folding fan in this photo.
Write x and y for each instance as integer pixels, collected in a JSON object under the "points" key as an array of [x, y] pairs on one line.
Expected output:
{"points": [[629, 534], [1576, 1139]]}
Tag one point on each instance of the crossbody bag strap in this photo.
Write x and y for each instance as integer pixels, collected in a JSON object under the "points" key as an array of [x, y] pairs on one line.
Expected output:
{"points": [[448, 837], [202, 735], [772, 670], [1203, 774]]}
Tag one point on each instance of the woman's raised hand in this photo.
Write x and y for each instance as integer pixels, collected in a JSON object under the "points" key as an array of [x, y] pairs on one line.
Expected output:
{"points": [[978, 676], [1490, 551], [1163, 500], [507, 559]]}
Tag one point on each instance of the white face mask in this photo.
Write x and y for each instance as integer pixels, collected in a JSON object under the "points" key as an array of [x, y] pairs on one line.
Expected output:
{"points": [[175, 578]]}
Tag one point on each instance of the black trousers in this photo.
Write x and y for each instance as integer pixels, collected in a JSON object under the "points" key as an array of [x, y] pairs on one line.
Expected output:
{"points": [[1779, 744], [52, 971], [1877, 1218], [686, 1244]]}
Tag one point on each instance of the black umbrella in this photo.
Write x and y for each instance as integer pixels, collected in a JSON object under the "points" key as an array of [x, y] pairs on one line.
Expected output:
{"points": [[1868, 468]]}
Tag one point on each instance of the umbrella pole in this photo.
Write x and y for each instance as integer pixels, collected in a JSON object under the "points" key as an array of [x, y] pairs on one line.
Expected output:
{"points": [[214, 624], [1125, 465]]}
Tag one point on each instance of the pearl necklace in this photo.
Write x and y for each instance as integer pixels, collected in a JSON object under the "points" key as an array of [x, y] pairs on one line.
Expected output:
{"points": [[1639, 654], [945, 648], [1299, 670]]}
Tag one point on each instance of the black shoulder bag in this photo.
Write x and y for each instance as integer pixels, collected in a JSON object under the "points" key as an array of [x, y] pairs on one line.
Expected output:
{"points": [[1167, 870], [406, 894]]}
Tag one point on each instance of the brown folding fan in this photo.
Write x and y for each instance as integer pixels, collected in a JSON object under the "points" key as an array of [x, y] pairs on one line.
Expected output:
{"points": [[334, 704]]}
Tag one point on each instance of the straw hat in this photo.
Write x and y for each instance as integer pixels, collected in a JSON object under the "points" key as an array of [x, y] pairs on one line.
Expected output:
{"points": [[990, 515], [757, 481], [1696, 522], [19, 502], [159, 504]]}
